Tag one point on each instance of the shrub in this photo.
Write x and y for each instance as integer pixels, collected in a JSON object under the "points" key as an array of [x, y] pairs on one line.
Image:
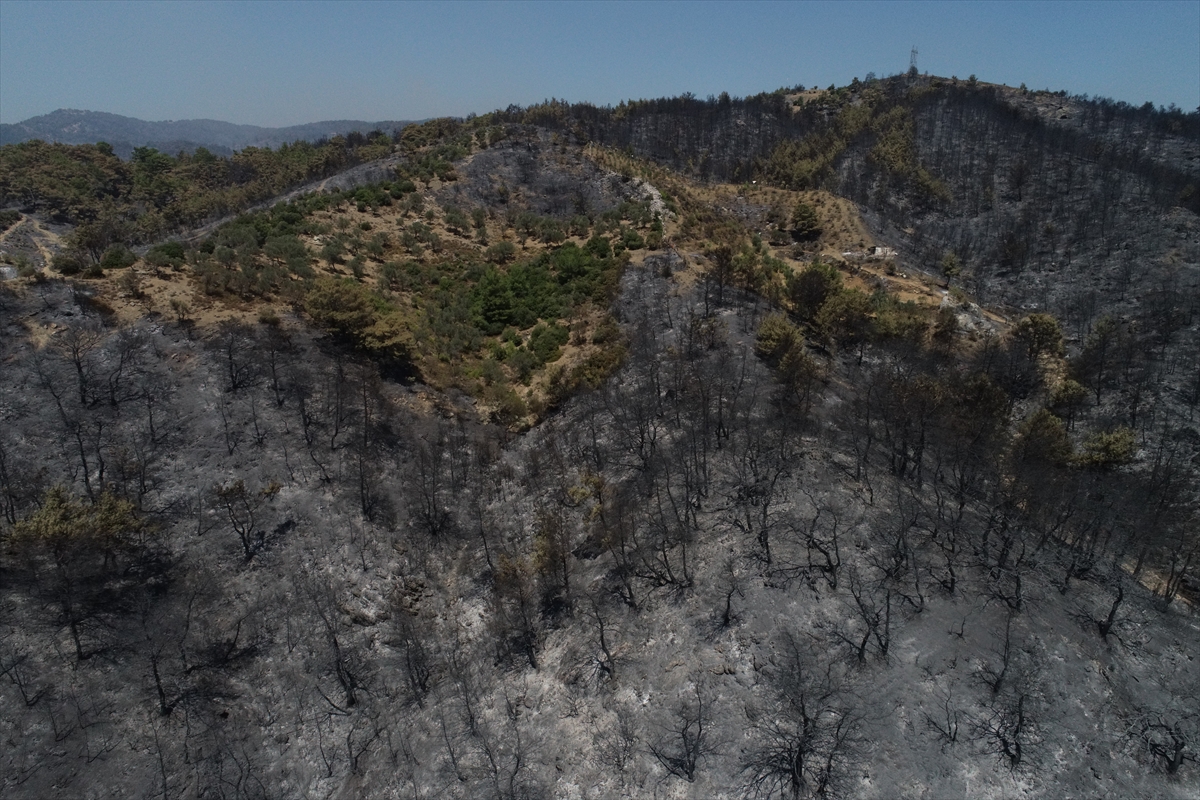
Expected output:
{"points": [[456, 220], [1040, 333], [167, 254], [806, 225], [117, 257], [67, 263], [501, 252], [1107, 450], [523, 363], [776, 336], [812, 286], [546, 342], [1043, 439]]}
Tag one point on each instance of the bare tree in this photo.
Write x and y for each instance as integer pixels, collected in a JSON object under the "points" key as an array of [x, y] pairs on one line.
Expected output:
{"points": [[243, 508], [1006, 726], [516, 618], [870, 630], [1166, 724], [731, 583], [606, 665], [78, 345], [507, 754], [351, 670], [428, 489], [238, 356], [1008, 723], [416, 655], [1171, 738], [553, 561], [764, 458], [687, 738], [803, 744], [15, 665], [664, 542], [617, 744], [946, 723]]}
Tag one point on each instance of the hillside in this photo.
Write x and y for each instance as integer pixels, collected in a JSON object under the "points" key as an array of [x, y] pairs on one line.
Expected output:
{"points": [[72, 126], [687, 448], [113, 203]]}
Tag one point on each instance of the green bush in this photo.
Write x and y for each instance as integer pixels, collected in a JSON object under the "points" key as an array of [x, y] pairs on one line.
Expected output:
{"points": [[67, 263], [1039, 333], [523, 363], [598, 247], [1043, 439], [455, 219], [167, 254], [289, 250], [1107, 450], [541, 289], [170, 250], [812, 286], [806, 225], [546, 342], [596, 368], [776, 336], [117, 257], [632, 239], [501, 252], [845, 317], [551, 232]]}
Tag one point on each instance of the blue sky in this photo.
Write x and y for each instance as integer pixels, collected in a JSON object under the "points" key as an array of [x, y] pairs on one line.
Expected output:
{"points": [[270, 63]]}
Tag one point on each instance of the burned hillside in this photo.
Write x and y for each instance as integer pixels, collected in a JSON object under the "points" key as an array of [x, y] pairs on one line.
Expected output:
{"points": [[540, 468]]}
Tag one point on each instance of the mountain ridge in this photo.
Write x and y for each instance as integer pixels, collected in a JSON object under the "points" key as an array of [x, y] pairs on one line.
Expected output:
{"points": [[77, 126]]}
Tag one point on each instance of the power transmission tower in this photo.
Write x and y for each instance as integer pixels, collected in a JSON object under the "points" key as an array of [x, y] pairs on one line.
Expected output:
{"points": [[912, 61]]}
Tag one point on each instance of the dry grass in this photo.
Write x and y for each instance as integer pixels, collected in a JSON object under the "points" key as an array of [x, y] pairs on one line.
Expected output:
{"points": [[174, 294]]}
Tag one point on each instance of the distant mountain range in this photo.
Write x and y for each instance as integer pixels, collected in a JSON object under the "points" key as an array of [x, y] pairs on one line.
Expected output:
{"points": [[71, 126]]}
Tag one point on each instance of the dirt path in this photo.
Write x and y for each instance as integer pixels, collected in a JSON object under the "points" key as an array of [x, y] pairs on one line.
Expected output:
{"points": [[38, 240], [371, 172]]}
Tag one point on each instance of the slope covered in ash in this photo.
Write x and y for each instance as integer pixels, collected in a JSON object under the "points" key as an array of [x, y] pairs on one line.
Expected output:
{"points": [[696, 580]]}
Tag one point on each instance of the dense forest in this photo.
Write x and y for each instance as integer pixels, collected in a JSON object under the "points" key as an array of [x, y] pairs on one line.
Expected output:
{"points": [[565, 460]]}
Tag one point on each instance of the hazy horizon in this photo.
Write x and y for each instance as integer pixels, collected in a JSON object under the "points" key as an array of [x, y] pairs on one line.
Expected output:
{"points": [[206, 119], [280, 64]]}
